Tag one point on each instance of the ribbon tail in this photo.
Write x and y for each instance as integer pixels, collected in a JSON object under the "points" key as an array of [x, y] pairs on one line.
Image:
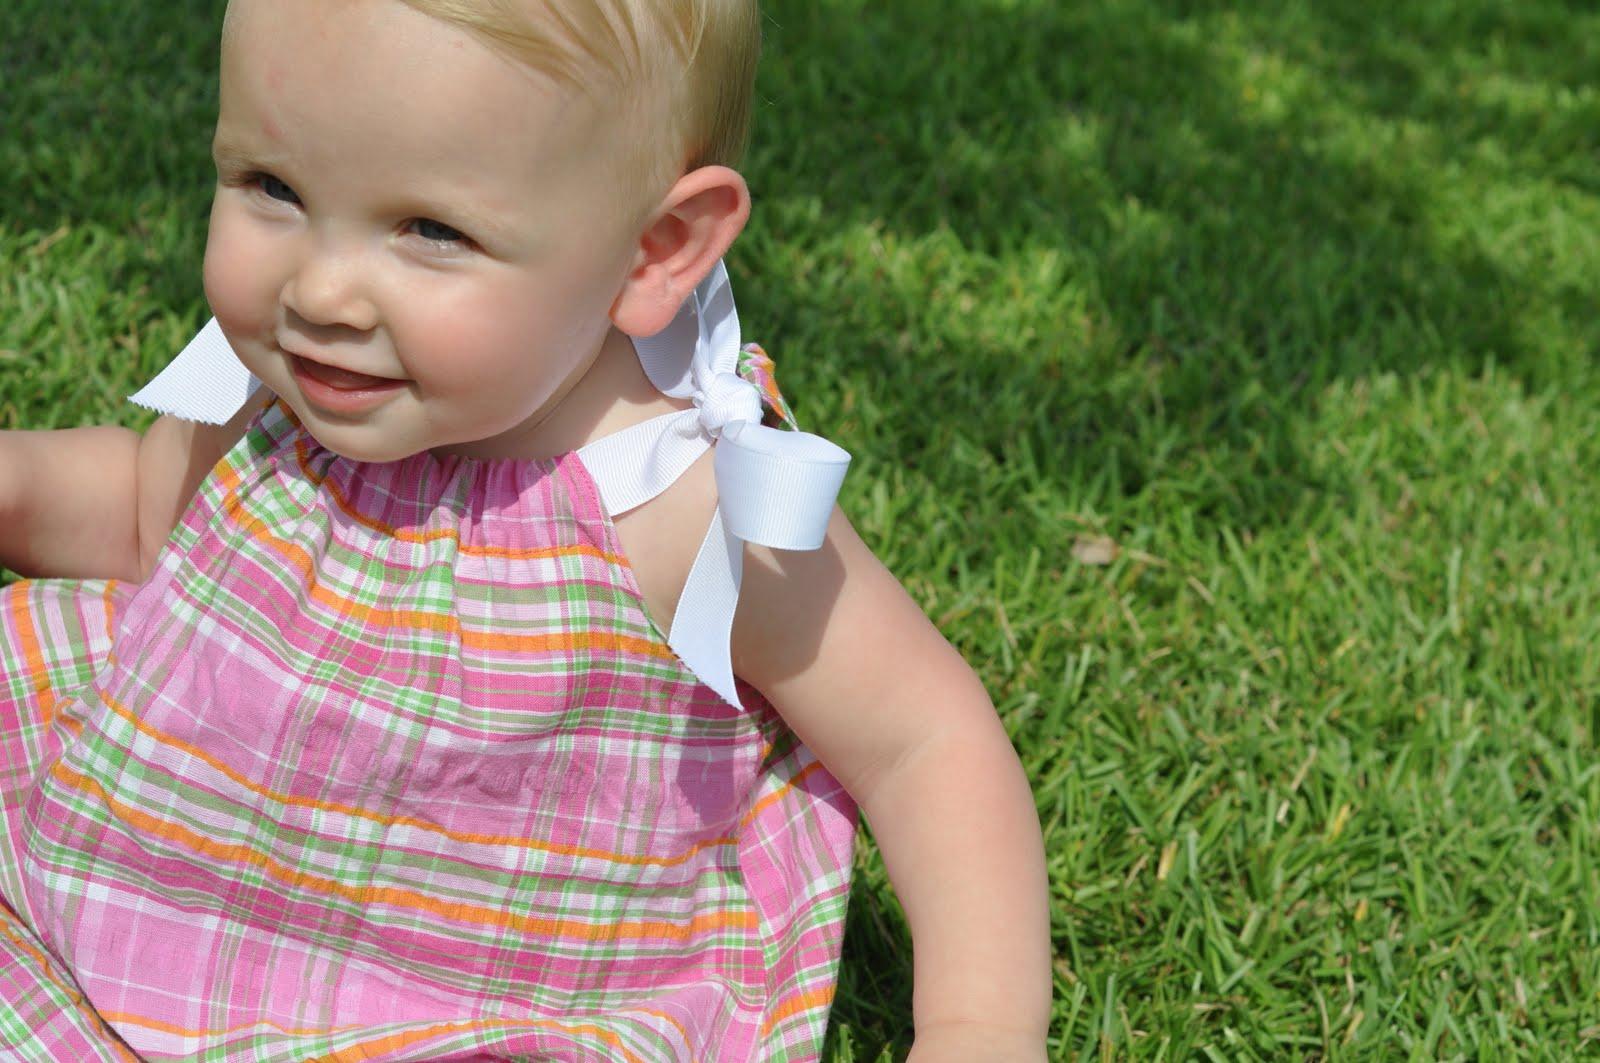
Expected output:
{"points": [[700, 340], [702, 628], [719, 321], [634, 465], [206, 382]]}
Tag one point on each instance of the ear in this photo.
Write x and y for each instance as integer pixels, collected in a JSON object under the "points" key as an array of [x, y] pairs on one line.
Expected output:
{"points": [[694, 226]]}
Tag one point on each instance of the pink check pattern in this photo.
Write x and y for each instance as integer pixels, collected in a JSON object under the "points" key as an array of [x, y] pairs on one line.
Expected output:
{"points": [[388, 762]]}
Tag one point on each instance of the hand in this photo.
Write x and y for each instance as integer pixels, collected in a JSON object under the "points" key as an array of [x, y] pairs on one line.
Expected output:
{"points": [[972, 1042]]}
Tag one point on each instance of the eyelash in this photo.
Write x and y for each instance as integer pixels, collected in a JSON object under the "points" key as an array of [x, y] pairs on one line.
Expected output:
{"points": [[261, 181]]}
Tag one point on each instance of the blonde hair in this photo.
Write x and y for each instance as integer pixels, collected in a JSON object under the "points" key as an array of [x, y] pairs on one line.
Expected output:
{"points": [[682, 71]]}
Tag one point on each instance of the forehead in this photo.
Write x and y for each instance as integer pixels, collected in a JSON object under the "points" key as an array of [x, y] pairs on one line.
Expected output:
{"points": [[375, 81]]}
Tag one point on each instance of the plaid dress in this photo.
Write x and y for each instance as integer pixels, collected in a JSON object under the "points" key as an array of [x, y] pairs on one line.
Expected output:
{"points": [[387, 762]]}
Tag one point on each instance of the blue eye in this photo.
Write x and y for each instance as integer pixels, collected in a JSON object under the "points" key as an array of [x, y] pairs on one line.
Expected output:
{"points": [[276, 189], [438, 232]]}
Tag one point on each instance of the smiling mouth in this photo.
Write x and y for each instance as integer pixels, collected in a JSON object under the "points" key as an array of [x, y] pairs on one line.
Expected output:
{"points": [[341, 379]]}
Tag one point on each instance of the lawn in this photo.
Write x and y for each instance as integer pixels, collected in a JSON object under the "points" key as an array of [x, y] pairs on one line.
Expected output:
{"points": [[1222, 378]]}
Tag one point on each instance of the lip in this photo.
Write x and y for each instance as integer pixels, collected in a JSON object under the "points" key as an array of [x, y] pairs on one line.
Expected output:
{"points": [[331, 396]]}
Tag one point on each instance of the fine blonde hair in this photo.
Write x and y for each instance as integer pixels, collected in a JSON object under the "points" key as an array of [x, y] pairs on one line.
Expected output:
{"points": [[682, 72]]}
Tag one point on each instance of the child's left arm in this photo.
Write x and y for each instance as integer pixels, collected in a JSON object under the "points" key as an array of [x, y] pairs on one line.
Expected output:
{"points": [[870, 685]]}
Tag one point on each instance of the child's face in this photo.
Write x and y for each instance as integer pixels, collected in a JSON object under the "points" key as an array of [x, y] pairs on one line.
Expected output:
{"points": [[396, 199]]}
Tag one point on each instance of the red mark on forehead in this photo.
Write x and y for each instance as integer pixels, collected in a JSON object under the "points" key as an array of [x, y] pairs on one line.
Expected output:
{"points": [[275, 85]]}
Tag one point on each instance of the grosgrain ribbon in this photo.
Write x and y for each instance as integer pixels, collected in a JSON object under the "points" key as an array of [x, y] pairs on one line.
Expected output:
{"points": [[205, 383], [774, 488]]}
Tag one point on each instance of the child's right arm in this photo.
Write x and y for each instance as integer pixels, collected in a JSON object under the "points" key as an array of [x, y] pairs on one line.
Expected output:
{"points": [[100, 502], [69, 502]]}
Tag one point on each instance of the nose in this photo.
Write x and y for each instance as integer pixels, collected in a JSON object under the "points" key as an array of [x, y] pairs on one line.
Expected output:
{"points": [[328, 288]]}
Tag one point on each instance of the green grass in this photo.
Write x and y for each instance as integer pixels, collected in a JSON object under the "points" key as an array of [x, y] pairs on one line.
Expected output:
{"points": [[1294, 303]]}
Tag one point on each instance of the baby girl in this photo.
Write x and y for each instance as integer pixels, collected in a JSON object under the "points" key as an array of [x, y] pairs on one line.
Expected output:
{"points": [[471, 661]]}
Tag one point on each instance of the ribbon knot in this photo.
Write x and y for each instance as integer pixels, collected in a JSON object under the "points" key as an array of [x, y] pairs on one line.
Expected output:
{"points": [[774, 489], [725, 399]]}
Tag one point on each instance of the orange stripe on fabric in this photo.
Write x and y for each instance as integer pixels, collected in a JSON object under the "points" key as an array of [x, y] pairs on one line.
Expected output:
{"points": [[794, 1005], [228, 477], [32, 654], [566, 642], [107, 599], [342, 500], [72, 993], [782, 792], [385, 1041], [395, 896], [424, 826], [377, 1047], [443, 623], [258, 531]]}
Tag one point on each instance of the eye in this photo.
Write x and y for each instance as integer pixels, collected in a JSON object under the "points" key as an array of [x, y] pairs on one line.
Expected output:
{"points": [[276, 189], [437, 232]]}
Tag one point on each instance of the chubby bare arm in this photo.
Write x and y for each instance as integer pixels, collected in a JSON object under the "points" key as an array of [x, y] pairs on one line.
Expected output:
{"points": [[100, 502], [70, 502], [174, 457], [871, 686]]}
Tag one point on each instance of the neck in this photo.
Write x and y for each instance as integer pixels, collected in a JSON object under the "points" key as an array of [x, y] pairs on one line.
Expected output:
{"points": [[613, 393]]}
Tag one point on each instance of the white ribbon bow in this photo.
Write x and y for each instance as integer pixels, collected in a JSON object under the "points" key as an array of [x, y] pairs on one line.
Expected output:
{"points": [[774, 488]]}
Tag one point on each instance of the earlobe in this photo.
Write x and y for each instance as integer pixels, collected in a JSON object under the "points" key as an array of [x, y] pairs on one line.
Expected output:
{"points": [[698, 220]]}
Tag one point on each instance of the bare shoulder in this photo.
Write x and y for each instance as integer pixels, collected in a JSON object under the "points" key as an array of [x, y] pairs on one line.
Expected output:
{"points": [[810, 624], [798, 607], [848, 658], [829, 636], [174, 458], [662, 537]]}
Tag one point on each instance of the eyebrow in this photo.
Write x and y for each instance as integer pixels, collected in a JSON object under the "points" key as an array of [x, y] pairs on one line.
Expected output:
{"points": [[231, 148], [463, 214]]}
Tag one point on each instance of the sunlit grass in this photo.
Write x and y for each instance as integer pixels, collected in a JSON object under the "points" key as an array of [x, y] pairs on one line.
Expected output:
{"points": [[1286, 310]]}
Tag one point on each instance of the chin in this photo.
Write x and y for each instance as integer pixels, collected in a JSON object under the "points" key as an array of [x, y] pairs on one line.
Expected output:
{"points": [[371, 455], [360, 453], [365, 443]]}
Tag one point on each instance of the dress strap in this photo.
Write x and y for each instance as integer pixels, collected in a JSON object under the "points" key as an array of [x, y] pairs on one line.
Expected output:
{"points": [[206, 382], [774, 488]]}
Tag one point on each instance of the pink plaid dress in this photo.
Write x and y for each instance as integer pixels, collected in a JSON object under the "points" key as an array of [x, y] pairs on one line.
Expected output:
{"points": [[387, 762]]}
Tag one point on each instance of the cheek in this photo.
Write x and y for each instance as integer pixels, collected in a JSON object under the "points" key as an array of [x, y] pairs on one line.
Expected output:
{"points": [[499, 341], [237, 277], [480, 352]]}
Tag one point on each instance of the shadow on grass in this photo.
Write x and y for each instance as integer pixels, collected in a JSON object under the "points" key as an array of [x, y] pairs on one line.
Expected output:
{"points": [[1253, 200], [106, 112], [1244, 202]]}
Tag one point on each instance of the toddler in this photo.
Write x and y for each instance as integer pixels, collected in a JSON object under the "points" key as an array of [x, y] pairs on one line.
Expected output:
{"points": [[381, 699]]}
